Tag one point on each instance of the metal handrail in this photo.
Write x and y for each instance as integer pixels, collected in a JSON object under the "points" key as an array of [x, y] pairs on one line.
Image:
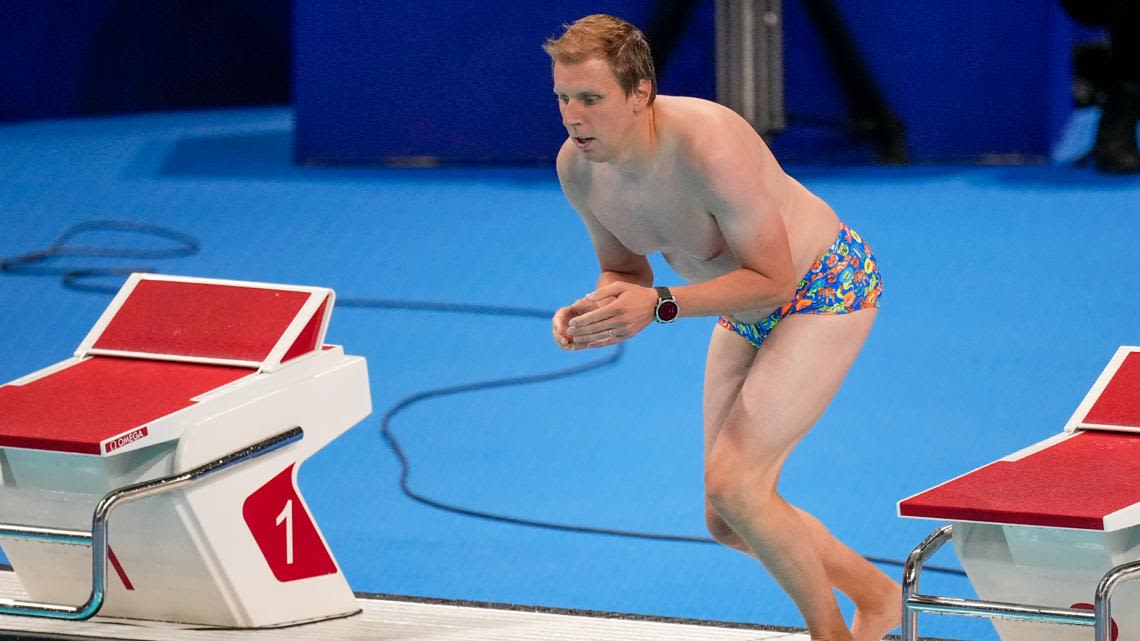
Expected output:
{"points": [[97, 538], [1103, 603], [52, 535], [1100, 618]]}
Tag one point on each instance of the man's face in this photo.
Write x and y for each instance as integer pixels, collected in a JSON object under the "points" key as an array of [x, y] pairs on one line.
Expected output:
{"points": [[595, 111]]}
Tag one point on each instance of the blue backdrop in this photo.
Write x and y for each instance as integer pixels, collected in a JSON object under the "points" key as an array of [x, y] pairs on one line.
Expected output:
{"points": [[112, 56], [467, 81]]}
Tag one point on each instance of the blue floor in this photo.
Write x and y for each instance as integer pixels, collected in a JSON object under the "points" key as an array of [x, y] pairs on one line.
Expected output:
{"points": [[1006, 293]]}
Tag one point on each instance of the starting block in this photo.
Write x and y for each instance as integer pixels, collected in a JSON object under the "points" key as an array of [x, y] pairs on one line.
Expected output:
{"points": [[1047, 534], [188, 408]]}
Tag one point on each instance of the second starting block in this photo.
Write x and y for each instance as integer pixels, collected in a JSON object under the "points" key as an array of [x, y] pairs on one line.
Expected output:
{"points": [[199, 398], [1049, 534]]}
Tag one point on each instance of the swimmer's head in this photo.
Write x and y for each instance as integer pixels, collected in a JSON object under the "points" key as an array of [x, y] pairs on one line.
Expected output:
{"points": [[613, 40]]}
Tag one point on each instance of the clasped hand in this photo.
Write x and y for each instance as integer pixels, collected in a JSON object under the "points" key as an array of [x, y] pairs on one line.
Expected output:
{"points": [[604, 317]]}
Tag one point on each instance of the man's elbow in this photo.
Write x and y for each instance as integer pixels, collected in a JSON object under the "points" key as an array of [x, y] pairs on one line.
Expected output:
{"points": [[645, 279], [781, 287], [788, 287]]}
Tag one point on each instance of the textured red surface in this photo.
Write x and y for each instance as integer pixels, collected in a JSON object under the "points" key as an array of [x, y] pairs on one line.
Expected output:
{"points": [[201, 319], [75, 409], [307, 339], [1073, 484], [1119, 404]]}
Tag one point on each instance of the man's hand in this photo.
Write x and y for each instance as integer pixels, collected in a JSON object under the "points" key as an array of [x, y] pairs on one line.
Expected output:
{"points": [[609, 315], [562, 318]]}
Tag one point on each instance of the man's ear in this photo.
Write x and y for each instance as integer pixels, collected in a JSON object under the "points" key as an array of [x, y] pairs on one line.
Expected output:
{"points": [[641, 94]]}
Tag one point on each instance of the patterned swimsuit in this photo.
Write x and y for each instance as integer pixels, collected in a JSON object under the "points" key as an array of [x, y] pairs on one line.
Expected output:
{"points": [[844, 280]]}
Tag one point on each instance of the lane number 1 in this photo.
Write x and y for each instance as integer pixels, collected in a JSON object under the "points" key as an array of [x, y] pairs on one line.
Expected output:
{"points": [[299, 552], [286, 517]]}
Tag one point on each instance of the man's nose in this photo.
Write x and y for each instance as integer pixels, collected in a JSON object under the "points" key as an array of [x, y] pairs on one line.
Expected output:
{"points": [[571, 116]]}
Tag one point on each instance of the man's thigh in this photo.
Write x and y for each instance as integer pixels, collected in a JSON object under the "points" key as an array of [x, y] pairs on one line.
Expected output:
{"points": [[729, 361], [791, 381]]}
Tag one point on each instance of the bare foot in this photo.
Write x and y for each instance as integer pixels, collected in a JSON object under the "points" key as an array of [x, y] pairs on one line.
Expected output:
{"points": [[874, 620]]}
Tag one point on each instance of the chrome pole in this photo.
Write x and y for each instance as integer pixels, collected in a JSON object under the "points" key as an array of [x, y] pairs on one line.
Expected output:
{"points": [[1001, 610], [50, 535], [1102, 604], [911, 571], [750, 61]]}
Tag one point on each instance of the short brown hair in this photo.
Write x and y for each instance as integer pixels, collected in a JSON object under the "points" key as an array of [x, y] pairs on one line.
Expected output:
{"points": [[611, 39]]}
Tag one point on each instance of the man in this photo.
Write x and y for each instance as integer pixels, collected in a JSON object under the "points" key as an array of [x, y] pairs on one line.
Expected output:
{"points": [[796, 290]]}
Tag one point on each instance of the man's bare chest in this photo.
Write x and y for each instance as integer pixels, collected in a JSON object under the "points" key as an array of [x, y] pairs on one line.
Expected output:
{"points": [[658, 219]]}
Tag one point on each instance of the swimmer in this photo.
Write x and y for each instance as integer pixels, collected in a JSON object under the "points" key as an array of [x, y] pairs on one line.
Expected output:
{"points": [[796, 292]]}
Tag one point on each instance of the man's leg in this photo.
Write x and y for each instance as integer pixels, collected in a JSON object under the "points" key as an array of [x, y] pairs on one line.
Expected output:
{"points": [[769, 426], [877, 597], [729, 360]]}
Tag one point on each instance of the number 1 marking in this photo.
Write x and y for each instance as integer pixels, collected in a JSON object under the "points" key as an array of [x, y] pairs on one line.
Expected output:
{"points": [[286, 517]]}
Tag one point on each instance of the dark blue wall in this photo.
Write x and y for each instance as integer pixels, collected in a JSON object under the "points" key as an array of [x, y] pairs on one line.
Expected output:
{"points": [[456, 80], [113, 56], [969, 78], [468, 82]]}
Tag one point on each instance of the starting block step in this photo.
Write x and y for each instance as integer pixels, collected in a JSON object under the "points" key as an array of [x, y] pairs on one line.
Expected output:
{"points": [[384, 617]]}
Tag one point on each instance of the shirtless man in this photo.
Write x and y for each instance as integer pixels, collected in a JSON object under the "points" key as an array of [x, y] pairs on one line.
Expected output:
{"points": [[796, 290]]}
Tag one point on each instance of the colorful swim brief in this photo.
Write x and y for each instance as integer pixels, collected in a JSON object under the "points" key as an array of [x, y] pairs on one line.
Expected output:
{"points": [[845, 279]]}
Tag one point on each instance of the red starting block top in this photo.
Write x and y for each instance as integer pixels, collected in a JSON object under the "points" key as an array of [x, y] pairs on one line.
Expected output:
{"points": [[162, 342], [102, 403], [1084, 481], [1088, 477]]}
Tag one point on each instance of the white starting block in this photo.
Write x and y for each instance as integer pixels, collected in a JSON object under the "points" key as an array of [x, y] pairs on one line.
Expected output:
{"points": [[200, 390], [1046, 534]]}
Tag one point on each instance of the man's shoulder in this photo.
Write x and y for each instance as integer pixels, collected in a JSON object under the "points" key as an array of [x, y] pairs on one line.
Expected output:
{"points": [[695, 117], [707, 134], [696, 124]]}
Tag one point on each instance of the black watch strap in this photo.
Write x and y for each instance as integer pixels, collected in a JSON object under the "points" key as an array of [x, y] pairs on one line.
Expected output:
{"points": [[667, 309]]}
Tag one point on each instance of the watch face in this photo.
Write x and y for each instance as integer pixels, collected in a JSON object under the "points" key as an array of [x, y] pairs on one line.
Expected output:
{"points": [[667, 311]]}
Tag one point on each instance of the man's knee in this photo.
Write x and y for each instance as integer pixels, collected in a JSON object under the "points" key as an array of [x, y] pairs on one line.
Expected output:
{"points": [[720, 530], [739, 479], [735, 491], [720, 486]]}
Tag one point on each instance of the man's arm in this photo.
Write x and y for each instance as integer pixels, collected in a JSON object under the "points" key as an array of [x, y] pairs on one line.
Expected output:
{"points": [[617, 263], [728, 172]]}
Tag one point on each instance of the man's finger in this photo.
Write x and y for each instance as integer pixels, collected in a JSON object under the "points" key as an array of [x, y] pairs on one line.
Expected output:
{"points": [[585, 323], [583, 305], [609, 291], [596, 336], [559, 322], [606, 340]]}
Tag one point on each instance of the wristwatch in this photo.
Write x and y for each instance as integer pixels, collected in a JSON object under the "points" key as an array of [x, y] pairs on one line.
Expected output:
{"points": [[667, 309]]}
